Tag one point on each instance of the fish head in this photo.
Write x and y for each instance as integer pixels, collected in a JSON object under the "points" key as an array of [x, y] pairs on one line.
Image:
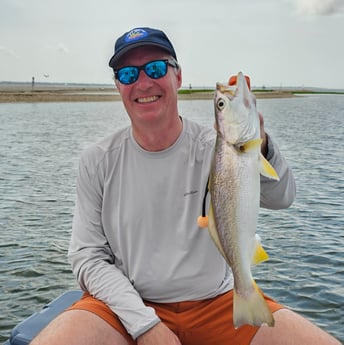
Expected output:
{"points": [[236, 116]]}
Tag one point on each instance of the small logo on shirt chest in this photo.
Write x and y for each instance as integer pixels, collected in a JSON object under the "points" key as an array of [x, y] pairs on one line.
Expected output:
{"points": [[191, 192]]}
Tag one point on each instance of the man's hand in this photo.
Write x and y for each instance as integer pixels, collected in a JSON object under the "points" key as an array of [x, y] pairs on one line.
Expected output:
{"points": [[159, 334], [263, 135]]}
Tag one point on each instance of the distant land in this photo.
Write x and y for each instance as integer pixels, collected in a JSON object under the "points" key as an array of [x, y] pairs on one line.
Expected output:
{"points": [[76, 92], [5, 84]]}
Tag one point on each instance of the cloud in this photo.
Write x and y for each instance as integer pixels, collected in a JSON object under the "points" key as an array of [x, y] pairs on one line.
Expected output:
{"points": [[8, 52], [61, 48], [319, 7]]}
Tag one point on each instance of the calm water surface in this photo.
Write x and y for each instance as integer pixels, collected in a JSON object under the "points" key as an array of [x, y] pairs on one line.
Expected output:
{"points": [[39, 152]]}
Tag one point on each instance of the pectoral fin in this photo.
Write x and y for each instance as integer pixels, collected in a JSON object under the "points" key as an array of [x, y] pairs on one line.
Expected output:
{"points": [[250, 145], [266, 169]]}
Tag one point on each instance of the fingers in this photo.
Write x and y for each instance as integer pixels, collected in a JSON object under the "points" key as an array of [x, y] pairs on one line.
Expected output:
{"points": [[263, 135]]}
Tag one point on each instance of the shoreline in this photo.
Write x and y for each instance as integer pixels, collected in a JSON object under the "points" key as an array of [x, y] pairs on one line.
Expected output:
{"points": [[56, 94]]}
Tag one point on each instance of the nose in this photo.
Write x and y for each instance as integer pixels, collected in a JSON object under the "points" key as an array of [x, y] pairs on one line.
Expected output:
{"points": [[143, 80]]}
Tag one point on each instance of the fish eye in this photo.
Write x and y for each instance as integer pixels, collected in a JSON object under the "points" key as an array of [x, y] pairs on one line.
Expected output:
{"points": [[221, 103]]}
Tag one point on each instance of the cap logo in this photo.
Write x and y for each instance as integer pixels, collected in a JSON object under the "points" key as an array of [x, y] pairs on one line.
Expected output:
{"points": [[135, 35]]}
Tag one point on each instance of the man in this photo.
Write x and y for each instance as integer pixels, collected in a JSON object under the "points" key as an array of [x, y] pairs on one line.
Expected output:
{"points": [[150, 274]]}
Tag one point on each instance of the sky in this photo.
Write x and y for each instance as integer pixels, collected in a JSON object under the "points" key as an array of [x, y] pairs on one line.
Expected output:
{"points": [[277, 43]]}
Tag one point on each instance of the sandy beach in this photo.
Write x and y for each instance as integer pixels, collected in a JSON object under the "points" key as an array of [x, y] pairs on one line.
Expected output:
{"points": [[11, 94]]}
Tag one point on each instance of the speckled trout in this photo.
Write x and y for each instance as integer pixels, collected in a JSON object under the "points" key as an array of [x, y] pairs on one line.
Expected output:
{"points": [[235, 192]]}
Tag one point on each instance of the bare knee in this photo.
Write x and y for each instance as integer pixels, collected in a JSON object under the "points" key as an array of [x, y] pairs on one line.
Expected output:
{"points": [[292, 328], [78, 327]]}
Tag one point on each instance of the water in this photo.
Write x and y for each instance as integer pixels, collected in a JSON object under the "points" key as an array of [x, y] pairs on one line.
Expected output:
{"points": [[39, 152]]}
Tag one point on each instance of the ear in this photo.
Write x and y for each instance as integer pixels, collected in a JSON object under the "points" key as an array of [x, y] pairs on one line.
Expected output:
{"points": [[179, 78]]}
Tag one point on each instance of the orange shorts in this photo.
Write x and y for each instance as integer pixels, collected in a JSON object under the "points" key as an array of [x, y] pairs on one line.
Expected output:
{"points": [[197, 322]]}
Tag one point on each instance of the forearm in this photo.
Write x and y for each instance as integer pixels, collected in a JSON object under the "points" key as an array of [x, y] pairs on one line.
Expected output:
{"points": [[277, 194], [103, 280]]}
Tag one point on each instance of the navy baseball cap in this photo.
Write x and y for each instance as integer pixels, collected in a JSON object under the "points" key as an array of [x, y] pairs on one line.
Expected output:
{"points": [[140, 37]]}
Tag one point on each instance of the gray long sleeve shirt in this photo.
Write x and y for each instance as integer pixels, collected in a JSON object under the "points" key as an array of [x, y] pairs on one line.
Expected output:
{"points": [[135, 235]]}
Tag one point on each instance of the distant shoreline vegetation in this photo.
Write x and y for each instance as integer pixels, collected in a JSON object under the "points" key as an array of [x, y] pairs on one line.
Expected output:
{"points": [[208, 93], [266, 91], [301, 92], [191, 91]]}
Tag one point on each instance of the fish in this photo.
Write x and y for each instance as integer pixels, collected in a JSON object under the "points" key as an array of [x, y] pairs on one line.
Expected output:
{"points": [[234, 186]]}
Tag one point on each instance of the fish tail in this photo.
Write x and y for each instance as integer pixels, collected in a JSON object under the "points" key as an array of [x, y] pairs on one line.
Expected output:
{"points": [[251, 309]]}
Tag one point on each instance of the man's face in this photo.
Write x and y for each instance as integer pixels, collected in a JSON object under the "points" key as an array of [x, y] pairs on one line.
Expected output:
{"points": [[149, 99]]}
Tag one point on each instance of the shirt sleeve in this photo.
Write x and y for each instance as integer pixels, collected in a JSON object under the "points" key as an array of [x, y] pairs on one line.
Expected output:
{"points": [[277, 194], [93, 262]]}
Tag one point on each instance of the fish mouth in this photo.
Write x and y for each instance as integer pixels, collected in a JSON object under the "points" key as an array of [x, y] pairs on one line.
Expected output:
{"points": [[148, 99]]}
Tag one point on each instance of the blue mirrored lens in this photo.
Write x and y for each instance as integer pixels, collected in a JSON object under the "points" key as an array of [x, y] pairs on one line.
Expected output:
{"points": [[128, 75], [156, 69]]}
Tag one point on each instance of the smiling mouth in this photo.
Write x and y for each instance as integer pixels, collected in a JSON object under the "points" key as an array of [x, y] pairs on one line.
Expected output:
{"points": [[144, 100]]}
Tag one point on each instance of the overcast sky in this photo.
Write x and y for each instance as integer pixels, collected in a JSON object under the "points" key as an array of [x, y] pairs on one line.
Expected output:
{"points": [[276, 42]]}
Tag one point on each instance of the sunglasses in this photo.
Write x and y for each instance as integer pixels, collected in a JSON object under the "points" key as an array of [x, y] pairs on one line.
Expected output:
{"points": [[154, 69]]}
